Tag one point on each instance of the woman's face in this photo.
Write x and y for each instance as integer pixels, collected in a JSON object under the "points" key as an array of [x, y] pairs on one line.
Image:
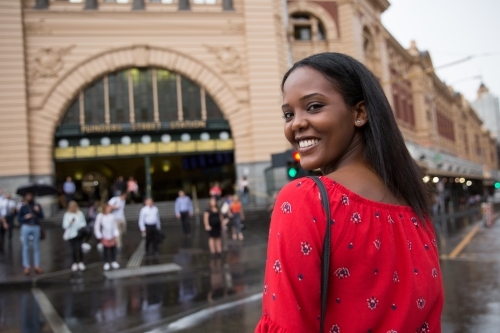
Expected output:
{"points": [[72, 207], [107, 209], [318, 123]]}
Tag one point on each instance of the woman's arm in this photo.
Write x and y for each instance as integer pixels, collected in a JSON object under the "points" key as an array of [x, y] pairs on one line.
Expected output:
{"points": [[291, 299], [66, 221], [97, 227], [205, 221]]}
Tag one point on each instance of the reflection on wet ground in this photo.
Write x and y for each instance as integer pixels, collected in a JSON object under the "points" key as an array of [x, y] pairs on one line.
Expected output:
{"points": [[221, 294]]}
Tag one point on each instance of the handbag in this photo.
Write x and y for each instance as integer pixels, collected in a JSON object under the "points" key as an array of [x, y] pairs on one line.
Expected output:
{"points": [[108, 242], [325, 261]]}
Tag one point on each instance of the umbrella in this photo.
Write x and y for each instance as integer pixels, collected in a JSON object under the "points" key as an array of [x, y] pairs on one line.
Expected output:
{"points": [[37, 189]]}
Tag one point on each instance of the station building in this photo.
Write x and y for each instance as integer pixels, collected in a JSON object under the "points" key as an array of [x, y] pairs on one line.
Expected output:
{"points": [[182, 93]]}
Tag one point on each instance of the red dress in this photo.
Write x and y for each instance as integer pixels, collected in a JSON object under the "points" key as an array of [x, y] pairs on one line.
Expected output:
{"points": [[384, 268]]}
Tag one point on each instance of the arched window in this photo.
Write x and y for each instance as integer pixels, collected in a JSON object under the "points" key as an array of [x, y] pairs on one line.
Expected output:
{"points": [[141, 95], [307, 27]]}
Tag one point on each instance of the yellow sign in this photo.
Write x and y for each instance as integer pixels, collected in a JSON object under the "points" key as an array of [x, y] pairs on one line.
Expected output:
{"points": [[188, 124], [131, 149], [106, 151], [170, 147], [149, 148], [62, 153], [186, 146], [225, 145], [85, 151], [205, 145], [101, 128]]}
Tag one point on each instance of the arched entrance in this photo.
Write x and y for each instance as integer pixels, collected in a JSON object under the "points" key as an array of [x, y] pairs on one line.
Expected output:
{"points": [[149, 123]]}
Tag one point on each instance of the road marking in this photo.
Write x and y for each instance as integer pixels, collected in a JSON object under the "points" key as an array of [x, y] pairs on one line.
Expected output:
{"points": [[55, 322], [464, 242], [141, 271], [137, 256], [197, 317]]}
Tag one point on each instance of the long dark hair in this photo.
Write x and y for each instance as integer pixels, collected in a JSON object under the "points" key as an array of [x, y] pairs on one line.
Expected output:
{"points": [[385, 149]]}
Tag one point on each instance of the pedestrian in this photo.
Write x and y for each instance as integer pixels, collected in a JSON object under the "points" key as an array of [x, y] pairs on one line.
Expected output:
{"points": [[119, 186], [216, 191], [92, 212], [69, 189], [244, 190], [384, 273], [106, 231], [30, 215], [212, 219], [149, 224], [225, 211], [132, 189], [237, 214], [118, 208], [10, 212], [184, 210], [73, 223]]}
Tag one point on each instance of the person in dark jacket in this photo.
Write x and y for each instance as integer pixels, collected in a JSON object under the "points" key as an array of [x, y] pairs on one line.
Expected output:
{"points": [[29, 218]]}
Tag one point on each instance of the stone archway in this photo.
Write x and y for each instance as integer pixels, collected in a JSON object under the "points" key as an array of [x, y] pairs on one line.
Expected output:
{"points": [[320, 13], [44, 120]]}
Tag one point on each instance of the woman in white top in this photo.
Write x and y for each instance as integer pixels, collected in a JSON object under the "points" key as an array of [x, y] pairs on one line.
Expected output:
{"points": [[106, 230], [73, 221]]}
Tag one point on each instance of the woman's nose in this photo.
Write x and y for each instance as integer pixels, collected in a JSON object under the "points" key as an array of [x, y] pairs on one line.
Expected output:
{"points": [[299, 122]]}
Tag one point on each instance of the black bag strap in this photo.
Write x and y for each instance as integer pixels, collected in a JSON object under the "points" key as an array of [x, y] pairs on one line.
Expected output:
{"points": [[325, 261]]}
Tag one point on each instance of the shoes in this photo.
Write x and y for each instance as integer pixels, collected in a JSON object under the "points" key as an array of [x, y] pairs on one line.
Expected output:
{"points": [[27, 270], [74, 267], [115, 265], [38, 270], [81, 266], [106, 267]]}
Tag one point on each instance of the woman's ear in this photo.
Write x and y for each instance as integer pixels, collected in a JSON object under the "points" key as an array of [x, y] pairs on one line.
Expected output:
{"points": [[360, 114]]}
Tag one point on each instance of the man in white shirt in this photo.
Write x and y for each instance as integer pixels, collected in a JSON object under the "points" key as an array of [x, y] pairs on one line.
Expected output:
{"points": [[118, 206], [149, 223]]}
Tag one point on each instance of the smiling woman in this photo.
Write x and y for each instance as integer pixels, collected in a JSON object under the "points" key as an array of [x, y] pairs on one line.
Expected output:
{"points": [[338, 118]]}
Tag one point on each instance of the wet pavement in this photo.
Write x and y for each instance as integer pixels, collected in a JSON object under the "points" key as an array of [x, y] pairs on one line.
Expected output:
{"points": [[209, 294]]}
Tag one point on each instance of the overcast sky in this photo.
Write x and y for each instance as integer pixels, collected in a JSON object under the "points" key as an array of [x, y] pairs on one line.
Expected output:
{"points": [[452, 30]]}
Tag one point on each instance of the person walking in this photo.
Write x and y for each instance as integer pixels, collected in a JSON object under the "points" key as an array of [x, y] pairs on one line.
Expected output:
{"points": [[10, 211], [119, 186], [106, 231], [212, 220], [29, 216], [237, 214], [118, 210], [183, 210], [383, 273], [132, 190], [244, 190], [69, 189], [73, 222], [149, 224], [216, 191]]}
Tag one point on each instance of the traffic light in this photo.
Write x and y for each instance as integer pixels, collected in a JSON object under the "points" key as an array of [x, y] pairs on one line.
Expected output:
{"points": [[293, 168], [497, 185]]}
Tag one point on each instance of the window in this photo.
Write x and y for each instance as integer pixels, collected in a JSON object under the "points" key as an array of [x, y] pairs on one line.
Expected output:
{"points": [[119, 109], [93, 102], [143, 95], [204, 2], [402, 99], [445, 126], [307, 27], [72, 117], [191, 100], [144, 84], [167, 95]]}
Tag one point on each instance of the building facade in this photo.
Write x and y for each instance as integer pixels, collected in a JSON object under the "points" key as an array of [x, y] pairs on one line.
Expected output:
{"points": [[181, 93]]}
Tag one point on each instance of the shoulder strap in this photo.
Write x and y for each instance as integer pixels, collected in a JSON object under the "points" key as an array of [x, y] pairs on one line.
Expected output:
{"points": [[325, 261]]}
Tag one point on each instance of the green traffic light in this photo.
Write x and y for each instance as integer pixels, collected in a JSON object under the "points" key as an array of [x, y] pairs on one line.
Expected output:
{"points": [[292, 172], [497, 185]]}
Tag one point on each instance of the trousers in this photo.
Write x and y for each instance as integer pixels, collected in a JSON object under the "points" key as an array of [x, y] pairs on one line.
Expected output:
{"points": [[76, 249], [34, 232], [186, 226]]}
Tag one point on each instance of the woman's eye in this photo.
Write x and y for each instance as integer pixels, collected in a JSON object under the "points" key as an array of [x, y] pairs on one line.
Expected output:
{"points": [[287, 115], [314, 107]]}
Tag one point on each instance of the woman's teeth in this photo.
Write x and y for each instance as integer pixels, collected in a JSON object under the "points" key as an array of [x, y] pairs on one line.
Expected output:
{"points": [[308, 143]]}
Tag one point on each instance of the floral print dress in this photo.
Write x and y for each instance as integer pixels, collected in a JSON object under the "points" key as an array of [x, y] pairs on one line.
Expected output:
{"points": [[384, 268]]}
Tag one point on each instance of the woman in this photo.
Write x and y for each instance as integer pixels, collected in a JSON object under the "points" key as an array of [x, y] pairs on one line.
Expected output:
{"points": [[73, 221], [238, 216], [212, 220], [106, 230], [29, 217], [384, 268], [216, 191]]}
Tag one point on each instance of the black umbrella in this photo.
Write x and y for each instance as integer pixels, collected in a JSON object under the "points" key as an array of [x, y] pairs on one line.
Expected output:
{"points": [[37, 189]]}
